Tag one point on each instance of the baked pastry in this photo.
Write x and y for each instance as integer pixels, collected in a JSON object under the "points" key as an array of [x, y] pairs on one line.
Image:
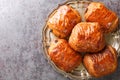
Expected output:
{"points": [[97, 12], [63, 55], [87, 37], [101, 63], [63, 20]]}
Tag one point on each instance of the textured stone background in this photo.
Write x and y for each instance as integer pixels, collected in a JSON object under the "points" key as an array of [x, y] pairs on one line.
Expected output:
{"points": [[21, 54]]}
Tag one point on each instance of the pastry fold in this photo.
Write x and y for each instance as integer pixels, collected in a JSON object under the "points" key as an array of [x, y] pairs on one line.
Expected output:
{"points": [[87, 37], [63, 20], [63, 55], [97, 12], [101, 63]]}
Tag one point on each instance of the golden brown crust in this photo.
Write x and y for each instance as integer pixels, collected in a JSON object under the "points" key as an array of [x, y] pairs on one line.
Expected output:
{"points": [[97, 12], [63, 55], [101, 63], [63, 21], [87, 37]]}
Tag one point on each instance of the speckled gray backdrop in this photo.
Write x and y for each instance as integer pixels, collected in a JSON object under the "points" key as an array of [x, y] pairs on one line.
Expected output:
{"points": [[21, 54]]}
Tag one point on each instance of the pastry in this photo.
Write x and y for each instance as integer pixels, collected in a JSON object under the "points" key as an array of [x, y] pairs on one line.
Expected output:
{"points": [[87, 37], [63, 55], [63, 20], [97, 12], [101, 63]]}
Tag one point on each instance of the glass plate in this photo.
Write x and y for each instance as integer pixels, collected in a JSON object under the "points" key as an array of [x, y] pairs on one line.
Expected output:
{"points": [[79, 73]]}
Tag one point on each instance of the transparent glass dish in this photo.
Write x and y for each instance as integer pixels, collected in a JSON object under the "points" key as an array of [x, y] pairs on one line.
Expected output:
{"points": [[79, 73]]}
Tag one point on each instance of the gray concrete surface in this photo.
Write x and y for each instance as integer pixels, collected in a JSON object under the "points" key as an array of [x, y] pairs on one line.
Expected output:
{"points": [[21, 54]]}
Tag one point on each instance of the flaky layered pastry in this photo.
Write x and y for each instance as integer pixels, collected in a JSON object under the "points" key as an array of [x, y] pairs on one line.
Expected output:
{"points": [[63, 21], [87, 37], [63, 55], [101, 63], [97, 12]]}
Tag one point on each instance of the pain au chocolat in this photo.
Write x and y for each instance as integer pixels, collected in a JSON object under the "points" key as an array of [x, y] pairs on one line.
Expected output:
{"points": [[63, 20], [97, 12], [101, 63], [87, 37], [63, 55]]}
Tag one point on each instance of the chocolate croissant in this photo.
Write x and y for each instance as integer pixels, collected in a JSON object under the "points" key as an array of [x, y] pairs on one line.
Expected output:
{"points": [[97, 12], [63, 20], [87, 37], [101, 63], [63, 55]]}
